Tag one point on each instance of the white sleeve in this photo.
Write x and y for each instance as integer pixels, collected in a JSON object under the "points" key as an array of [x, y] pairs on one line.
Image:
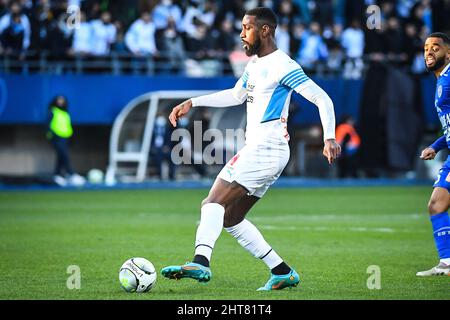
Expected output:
{"points": [[292, 76], [224, 98], [315, 94]]}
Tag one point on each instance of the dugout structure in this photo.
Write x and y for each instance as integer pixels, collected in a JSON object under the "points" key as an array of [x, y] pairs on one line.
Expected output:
{"points": [[132, 131]]}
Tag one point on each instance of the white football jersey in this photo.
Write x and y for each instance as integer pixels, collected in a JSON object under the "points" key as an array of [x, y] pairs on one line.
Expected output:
{"points": [[268, 83]]}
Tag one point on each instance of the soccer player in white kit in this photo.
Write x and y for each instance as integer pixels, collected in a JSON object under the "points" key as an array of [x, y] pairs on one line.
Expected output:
{"points": [[266, 84]]}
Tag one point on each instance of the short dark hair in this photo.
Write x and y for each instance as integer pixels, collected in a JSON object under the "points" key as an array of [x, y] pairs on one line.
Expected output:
{"points": [[263, 16], [442, 36]]}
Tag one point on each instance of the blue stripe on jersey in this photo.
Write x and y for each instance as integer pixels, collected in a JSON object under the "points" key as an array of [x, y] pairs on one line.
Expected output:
{"points": [[276, 103], [298, 82], [244, 79], [294, 78], [291, 75]]}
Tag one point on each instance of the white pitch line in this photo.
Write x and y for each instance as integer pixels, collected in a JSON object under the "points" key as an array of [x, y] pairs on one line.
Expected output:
{"points": [[341, 217], [327, 229]]}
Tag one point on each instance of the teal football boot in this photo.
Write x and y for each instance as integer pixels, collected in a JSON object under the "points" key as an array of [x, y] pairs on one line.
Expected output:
{"points": [[278, 282], [189, 270]]}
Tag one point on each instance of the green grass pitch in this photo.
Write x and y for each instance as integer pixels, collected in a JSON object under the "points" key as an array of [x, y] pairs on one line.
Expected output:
{"points": [[331, 236]]}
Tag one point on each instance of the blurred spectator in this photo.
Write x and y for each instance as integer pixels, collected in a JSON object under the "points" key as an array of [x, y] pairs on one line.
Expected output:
{"points": [[209, 29], [388, 10], [40, 20], [172, 45], [375, 44], [140, 37], [404, 7], [348, 138], [199, 40], [197, 18], [313, 50], [336, 54], [339, 12], [352, 41], [427, 15], [287, 12], [233, 10], [119, 46], [417, 18], [82, 37], [323, 12], [15, 30], [297, 36], [164, 12], [413, 48], [355, 9], [208, 13], [59, 132], [304, 10], [103, 35], [283, 38], [59, 39], [93, 9], [226, 38], [394, 40], [3, 7]]}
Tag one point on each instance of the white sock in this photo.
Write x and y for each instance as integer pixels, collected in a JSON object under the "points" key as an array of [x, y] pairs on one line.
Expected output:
{"points": [[211, 224], [446, 261], [251, 239]]}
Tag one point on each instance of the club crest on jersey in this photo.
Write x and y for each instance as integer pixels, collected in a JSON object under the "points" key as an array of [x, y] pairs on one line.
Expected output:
{"points": [[439, 91]]}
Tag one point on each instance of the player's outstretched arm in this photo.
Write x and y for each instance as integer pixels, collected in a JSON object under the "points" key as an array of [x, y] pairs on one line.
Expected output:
{"points": [[312, 92], [221, 99], [430, 152]]}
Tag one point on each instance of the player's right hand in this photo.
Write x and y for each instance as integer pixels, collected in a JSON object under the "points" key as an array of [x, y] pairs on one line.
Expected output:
{"points": [[179, 111], [428, 154]]}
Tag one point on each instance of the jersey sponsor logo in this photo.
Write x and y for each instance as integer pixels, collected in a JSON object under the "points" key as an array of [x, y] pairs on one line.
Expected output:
{"points": [[445, 121]]}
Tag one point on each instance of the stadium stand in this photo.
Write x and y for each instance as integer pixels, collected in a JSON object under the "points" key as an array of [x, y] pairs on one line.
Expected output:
{"points": [[46, 49]]}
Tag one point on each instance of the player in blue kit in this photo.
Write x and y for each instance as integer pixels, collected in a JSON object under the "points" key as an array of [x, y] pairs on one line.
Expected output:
{"points": [[437, 60]]}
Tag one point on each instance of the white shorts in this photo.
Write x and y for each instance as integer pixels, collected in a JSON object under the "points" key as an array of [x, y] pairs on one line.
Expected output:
{"points": [[256, 167]]}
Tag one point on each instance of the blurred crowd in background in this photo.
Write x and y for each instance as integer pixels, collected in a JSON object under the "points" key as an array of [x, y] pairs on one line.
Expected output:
{"points": [[179, 36]]}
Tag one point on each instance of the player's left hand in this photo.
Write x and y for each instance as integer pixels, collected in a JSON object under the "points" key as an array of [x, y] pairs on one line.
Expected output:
{"points": [[179, 111], [331, 150]]}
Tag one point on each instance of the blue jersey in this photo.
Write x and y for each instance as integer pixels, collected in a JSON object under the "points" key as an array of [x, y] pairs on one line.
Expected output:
{"points": [[442, 102]]}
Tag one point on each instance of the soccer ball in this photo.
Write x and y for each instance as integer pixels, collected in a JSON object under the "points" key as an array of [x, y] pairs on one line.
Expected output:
{"points": [[95, 176], [137, 275]]}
